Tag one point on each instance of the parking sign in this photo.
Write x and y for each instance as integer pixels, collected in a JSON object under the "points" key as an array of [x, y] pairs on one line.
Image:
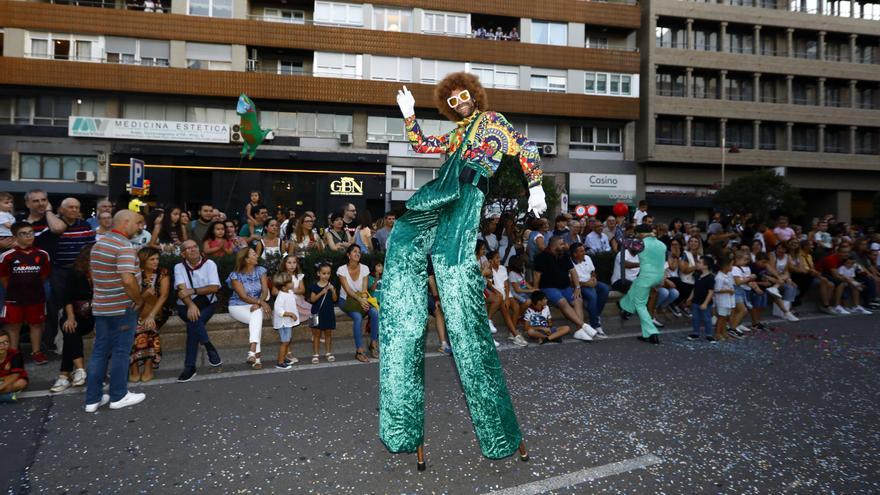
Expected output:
{"points": [[136, 175]]}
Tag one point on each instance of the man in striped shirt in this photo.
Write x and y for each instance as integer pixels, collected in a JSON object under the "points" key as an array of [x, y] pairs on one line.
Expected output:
{"points": [[77, 235], [115, 305]]}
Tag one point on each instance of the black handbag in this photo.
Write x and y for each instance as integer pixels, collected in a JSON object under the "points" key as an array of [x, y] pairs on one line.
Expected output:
{"points": [[201, 301]]}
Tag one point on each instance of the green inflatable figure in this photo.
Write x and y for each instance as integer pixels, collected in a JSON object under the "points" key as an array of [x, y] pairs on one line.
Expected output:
{"points": [[251, 132]]}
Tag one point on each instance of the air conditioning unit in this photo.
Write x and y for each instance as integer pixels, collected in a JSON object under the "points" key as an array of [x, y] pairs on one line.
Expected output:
{"points": [[235, 134], [346, 138], [84, 176], [548, 150]]}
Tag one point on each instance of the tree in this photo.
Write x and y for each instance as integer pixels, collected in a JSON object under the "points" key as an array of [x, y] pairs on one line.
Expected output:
{"points": [[763, 193], [509, 191]]}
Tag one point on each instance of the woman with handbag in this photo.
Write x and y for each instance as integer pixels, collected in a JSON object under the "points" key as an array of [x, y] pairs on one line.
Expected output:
{"points": [[76, 323], [155, 286], [250, 289], [353, 301]]}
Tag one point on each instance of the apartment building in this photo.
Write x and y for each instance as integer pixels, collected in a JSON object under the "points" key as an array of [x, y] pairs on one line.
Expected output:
{"points": [[792, 85], [87, 85]]}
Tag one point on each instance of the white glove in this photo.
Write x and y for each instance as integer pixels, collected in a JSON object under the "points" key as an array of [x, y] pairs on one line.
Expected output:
{"points": [[406, 102], [537, 202]]}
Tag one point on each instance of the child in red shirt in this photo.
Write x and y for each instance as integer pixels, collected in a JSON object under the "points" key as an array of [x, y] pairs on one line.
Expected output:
{"points": [[23, 270], [13, 377]]}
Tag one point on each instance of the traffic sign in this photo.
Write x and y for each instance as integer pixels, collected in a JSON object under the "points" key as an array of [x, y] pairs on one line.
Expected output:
{"points": [[136, 175], [592, 210], [580, 210]]}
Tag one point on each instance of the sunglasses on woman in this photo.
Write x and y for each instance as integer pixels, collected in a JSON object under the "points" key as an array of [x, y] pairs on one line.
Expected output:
{"points": [[456, 100]]}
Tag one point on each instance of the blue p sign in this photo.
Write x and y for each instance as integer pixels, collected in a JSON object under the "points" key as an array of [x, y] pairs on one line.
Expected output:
{"points": [[136, 174]]}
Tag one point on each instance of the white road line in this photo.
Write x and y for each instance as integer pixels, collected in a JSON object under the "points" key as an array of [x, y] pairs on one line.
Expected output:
{"points": [[575, 478], [306, 367]]}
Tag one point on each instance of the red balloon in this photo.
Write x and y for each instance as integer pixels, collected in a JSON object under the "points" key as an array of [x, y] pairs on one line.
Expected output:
{"points": [[620, 209]]}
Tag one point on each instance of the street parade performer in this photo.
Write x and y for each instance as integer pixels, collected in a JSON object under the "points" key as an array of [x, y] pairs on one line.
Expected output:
{"points": [[652, 259], [442, 220]]}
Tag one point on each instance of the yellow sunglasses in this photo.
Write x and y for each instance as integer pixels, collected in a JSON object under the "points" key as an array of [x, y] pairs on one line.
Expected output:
{"points": [[456, 100]]}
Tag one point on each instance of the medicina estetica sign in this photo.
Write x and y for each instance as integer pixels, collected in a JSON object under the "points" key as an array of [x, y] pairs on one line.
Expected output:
{"points": [[152, 130]]}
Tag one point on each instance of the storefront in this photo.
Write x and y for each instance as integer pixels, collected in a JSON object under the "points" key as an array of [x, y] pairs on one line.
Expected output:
{"points": [[601, 190]]}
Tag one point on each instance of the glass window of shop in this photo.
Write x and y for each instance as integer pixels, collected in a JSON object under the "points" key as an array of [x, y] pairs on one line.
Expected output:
{"points": [[55, 167]]}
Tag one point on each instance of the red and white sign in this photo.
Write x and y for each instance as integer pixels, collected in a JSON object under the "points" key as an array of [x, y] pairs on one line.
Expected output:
{"points": [[580, 210], [592, 210]]}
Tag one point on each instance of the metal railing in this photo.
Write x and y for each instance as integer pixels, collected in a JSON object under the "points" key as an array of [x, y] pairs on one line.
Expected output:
{"points": [[773, 99], [155, 6], [707, 95], [835, 149], [670, 92], [803, 101], [705, 143], [808, 55], [769, 146], [669, 141], [740, 97], [676, 44], [866, 150], [803, 147]]}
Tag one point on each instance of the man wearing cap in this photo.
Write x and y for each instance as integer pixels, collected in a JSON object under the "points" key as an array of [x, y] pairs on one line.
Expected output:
{"points": [[651, 272]]}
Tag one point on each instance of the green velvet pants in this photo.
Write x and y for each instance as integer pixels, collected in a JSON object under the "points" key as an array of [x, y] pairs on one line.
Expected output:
{"points": [[443, 219]]}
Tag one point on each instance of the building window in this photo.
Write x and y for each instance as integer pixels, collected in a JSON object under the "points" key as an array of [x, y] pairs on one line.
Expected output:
{"points": [[347, 65], [596, 42], [741, 43], [591, 138], [550, 33], [705, 87], [538, 132], [669, 130], [602, 83], [284, 15], [210, 8], [804, 48], [768, 137], [62, 47], [804, 93], [670, 84], [669, 37], [704, 133], [208, 56], [391, 68], [551, 84], [55, 167], [134, 51], [392, 19], [290, 67], [42, 110], [448, 23], [705, 40], [343, 14], [435, 70], [740, 89], [803, 138], [384, 129], [497, 76], [741, 135]]}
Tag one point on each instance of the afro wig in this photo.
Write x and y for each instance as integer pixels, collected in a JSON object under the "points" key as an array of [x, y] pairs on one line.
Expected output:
{"points": [[459, 80]]}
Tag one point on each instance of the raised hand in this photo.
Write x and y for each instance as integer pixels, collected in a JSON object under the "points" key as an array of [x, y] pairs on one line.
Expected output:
{"points": [[406, 102], [537, 202]]}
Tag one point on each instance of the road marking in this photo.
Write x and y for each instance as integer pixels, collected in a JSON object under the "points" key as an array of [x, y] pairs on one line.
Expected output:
{"points": [[306, 367], [577, 477]]}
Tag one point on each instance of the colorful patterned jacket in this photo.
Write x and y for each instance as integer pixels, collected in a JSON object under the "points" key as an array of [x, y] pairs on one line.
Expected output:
{"points": [[493, 138]]}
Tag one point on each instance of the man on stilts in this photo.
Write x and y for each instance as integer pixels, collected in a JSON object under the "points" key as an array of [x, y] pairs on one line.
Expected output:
{"points": [[651, 271], [443, 218]]}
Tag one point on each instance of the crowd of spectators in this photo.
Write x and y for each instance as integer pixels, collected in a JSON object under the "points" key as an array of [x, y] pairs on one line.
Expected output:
{"points": [[496, 34], [123, 274]]}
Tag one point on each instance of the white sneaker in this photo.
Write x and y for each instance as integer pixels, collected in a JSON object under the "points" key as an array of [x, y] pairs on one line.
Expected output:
{"points": [[492, 327], [130, 399], [582, 334], [90, 408], [743, 328], [790, 316], [61, 384], [839, 310], [773, 291], [496, 343], [79, 377], [590, 330], [520, 341], [657, 323], [860, 310], [600, 334]]}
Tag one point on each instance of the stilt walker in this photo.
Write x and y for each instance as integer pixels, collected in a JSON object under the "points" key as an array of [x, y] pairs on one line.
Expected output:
{"points": [[651, 272], [442, 219]]}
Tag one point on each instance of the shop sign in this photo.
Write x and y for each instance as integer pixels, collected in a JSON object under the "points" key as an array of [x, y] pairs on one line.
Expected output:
{"points": [[602, 189], [347, 186], [151, 130]]}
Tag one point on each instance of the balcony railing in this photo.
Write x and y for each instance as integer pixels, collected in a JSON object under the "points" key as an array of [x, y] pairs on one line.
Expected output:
{"points": [[741, 49], [772, 52], [769, 146], [866, 150], [803, 101], [835, 149], [706, 95], [672, 44], [670, 141], [740, 97], [803, 147], [72, 58], [835, 103], [837, 57], [706, 143], [670, 92], [773, 99], [808, 55]]}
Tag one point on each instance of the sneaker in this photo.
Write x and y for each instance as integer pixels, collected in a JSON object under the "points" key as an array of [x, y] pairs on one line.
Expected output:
{"points": [[79, 377], [520, 341], [130, 399], [39, 358], [446, 350], [657, 323], [743, 329], [90, 408], [582, 334], [283, 366], [675, 311], [860, 310], [840, 310], [8, 398], [187, 375], [790, 316], [61, 384], [828, 310], [213, 356], [693, 336], [687, 312], [712, 340], [734, 333], [590, 330], [600, 334], [762, 326], [291, 359], [773, 291], [492, 327]]}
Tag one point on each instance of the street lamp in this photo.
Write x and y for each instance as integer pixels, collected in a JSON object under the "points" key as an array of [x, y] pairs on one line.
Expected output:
{"points": [[724, 151]]}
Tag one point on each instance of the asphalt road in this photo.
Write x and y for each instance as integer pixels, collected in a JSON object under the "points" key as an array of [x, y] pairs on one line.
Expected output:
{"points": [[793, 410]]}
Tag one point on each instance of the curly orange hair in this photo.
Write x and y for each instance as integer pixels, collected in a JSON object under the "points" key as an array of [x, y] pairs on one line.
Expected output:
{"points": [[459, 80]]}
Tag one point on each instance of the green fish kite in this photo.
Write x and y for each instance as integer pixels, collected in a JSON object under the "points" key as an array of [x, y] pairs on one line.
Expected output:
{"points": [[251, 132]]}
